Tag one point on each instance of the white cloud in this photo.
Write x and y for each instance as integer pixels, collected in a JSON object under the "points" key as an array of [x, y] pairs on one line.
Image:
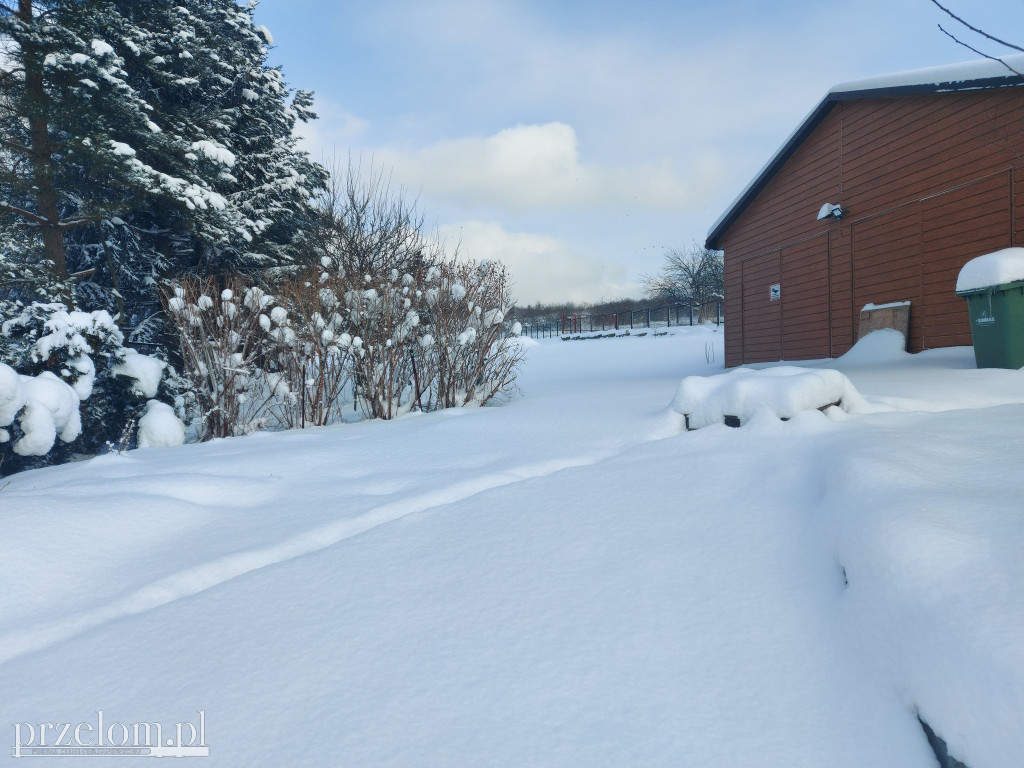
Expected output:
{"points": [[532, 166], [333, 133], [543, 268], [732, 79]]}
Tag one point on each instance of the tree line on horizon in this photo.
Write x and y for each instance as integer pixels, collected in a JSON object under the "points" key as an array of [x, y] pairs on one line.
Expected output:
{"points": [[692, 276]]}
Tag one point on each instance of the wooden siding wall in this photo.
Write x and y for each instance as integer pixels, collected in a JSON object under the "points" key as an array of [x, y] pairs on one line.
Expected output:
{"points": [[927, 182]]}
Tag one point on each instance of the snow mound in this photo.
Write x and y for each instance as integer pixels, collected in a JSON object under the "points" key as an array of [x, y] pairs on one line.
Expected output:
{"points": [[1005, 266], [881, 347], [145, 371], [159, 427], [783, 391], [46, 408], [12, 399]]}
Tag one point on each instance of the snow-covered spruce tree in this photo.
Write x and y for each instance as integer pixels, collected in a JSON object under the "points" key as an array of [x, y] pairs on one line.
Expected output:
{"points": [[226, 121], [79, 143], [145, 140], [78, 149]]}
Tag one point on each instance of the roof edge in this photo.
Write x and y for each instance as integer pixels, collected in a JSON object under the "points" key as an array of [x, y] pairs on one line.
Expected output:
{"points": [[818, 114]]}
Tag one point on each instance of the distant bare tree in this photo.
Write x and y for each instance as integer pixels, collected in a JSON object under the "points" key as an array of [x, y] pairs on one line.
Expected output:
{"points": [[693, 276]]}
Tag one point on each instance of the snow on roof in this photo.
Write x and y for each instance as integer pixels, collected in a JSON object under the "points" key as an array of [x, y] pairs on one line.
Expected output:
{"points": [[967, 75], [1005, 266], [947, 74]]}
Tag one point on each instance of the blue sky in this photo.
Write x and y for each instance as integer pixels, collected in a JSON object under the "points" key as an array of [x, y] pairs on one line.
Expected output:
{"points": [[577, 140]]}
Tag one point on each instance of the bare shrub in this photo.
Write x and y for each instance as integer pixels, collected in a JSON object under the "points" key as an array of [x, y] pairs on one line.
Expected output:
{"points": [[468, 357], [224, 338], [366, 226], [384, 322], [312, 366], [380, 314]]}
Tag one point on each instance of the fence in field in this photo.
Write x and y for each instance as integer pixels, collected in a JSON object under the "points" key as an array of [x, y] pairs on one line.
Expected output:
{"points": [[649, 317], [665, 316], [540, 330]]}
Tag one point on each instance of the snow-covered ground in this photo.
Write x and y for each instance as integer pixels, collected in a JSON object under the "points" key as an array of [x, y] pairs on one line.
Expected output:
{"points": [[564, 580]]}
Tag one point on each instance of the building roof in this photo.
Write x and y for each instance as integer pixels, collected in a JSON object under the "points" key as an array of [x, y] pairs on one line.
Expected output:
{"points": [[966, 76]]}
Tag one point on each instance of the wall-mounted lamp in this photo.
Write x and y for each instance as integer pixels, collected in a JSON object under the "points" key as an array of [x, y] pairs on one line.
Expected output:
{"points": [[830, 211]]}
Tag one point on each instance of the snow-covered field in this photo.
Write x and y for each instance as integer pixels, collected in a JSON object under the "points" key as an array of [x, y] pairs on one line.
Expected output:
{"points": [[567, 579]]}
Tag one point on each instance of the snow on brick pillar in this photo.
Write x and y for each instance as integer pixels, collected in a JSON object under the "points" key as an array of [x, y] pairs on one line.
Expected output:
{"points": [[874, 317]]}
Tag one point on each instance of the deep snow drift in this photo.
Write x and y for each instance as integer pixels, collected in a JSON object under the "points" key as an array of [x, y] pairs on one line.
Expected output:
{"points": [[568, 579]]}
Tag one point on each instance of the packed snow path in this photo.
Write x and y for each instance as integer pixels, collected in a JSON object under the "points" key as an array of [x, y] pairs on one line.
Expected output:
{"points": [[563, 580]]}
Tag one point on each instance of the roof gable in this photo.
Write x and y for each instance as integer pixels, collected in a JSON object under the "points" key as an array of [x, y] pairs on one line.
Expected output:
{"points": [[972, 75]]}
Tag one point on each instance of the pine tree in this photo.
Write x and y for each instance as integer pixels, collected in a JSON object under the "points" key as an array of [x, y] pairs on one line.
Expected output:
{"points": [[140, 141], [202, 66], [78, 140]]}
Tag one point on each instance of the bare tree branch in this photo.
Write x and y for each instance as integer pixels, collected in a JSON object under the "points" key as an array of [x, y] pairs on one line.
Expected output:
{"points": [[955, 39], [974, 29]]}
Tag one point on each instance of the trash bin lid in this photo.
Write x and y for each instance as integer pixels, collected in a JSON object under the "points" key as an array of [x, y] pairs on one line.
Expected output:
{"points": [[991, 271]]}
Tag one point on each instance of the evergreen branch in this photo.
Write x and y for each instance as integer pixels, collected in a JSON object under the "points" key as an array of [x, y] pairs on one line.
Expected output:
{"points": [[33, 217], [79, 221], [15, 146]]}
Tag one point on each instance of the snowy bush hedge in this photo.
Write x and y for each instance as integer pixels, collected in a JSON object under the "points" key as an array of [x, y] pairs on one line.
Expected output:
{"points": [[431, 337], [226, 338]]}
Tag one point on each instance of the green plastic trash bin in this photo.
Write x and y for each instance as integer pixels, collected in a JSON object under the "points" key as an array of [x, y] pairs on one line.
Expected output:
{"points": [[997, 310]]}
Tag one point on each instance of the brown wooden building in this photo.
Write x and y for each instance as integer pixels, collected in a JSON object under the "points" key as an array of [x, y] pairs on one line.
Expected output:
{"points": [[928, 168]]}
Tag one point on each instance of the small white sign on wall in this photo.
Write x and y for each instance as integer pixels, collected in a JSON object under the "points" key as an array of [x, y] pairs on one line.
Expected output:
{"points": [[775, 291]]}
